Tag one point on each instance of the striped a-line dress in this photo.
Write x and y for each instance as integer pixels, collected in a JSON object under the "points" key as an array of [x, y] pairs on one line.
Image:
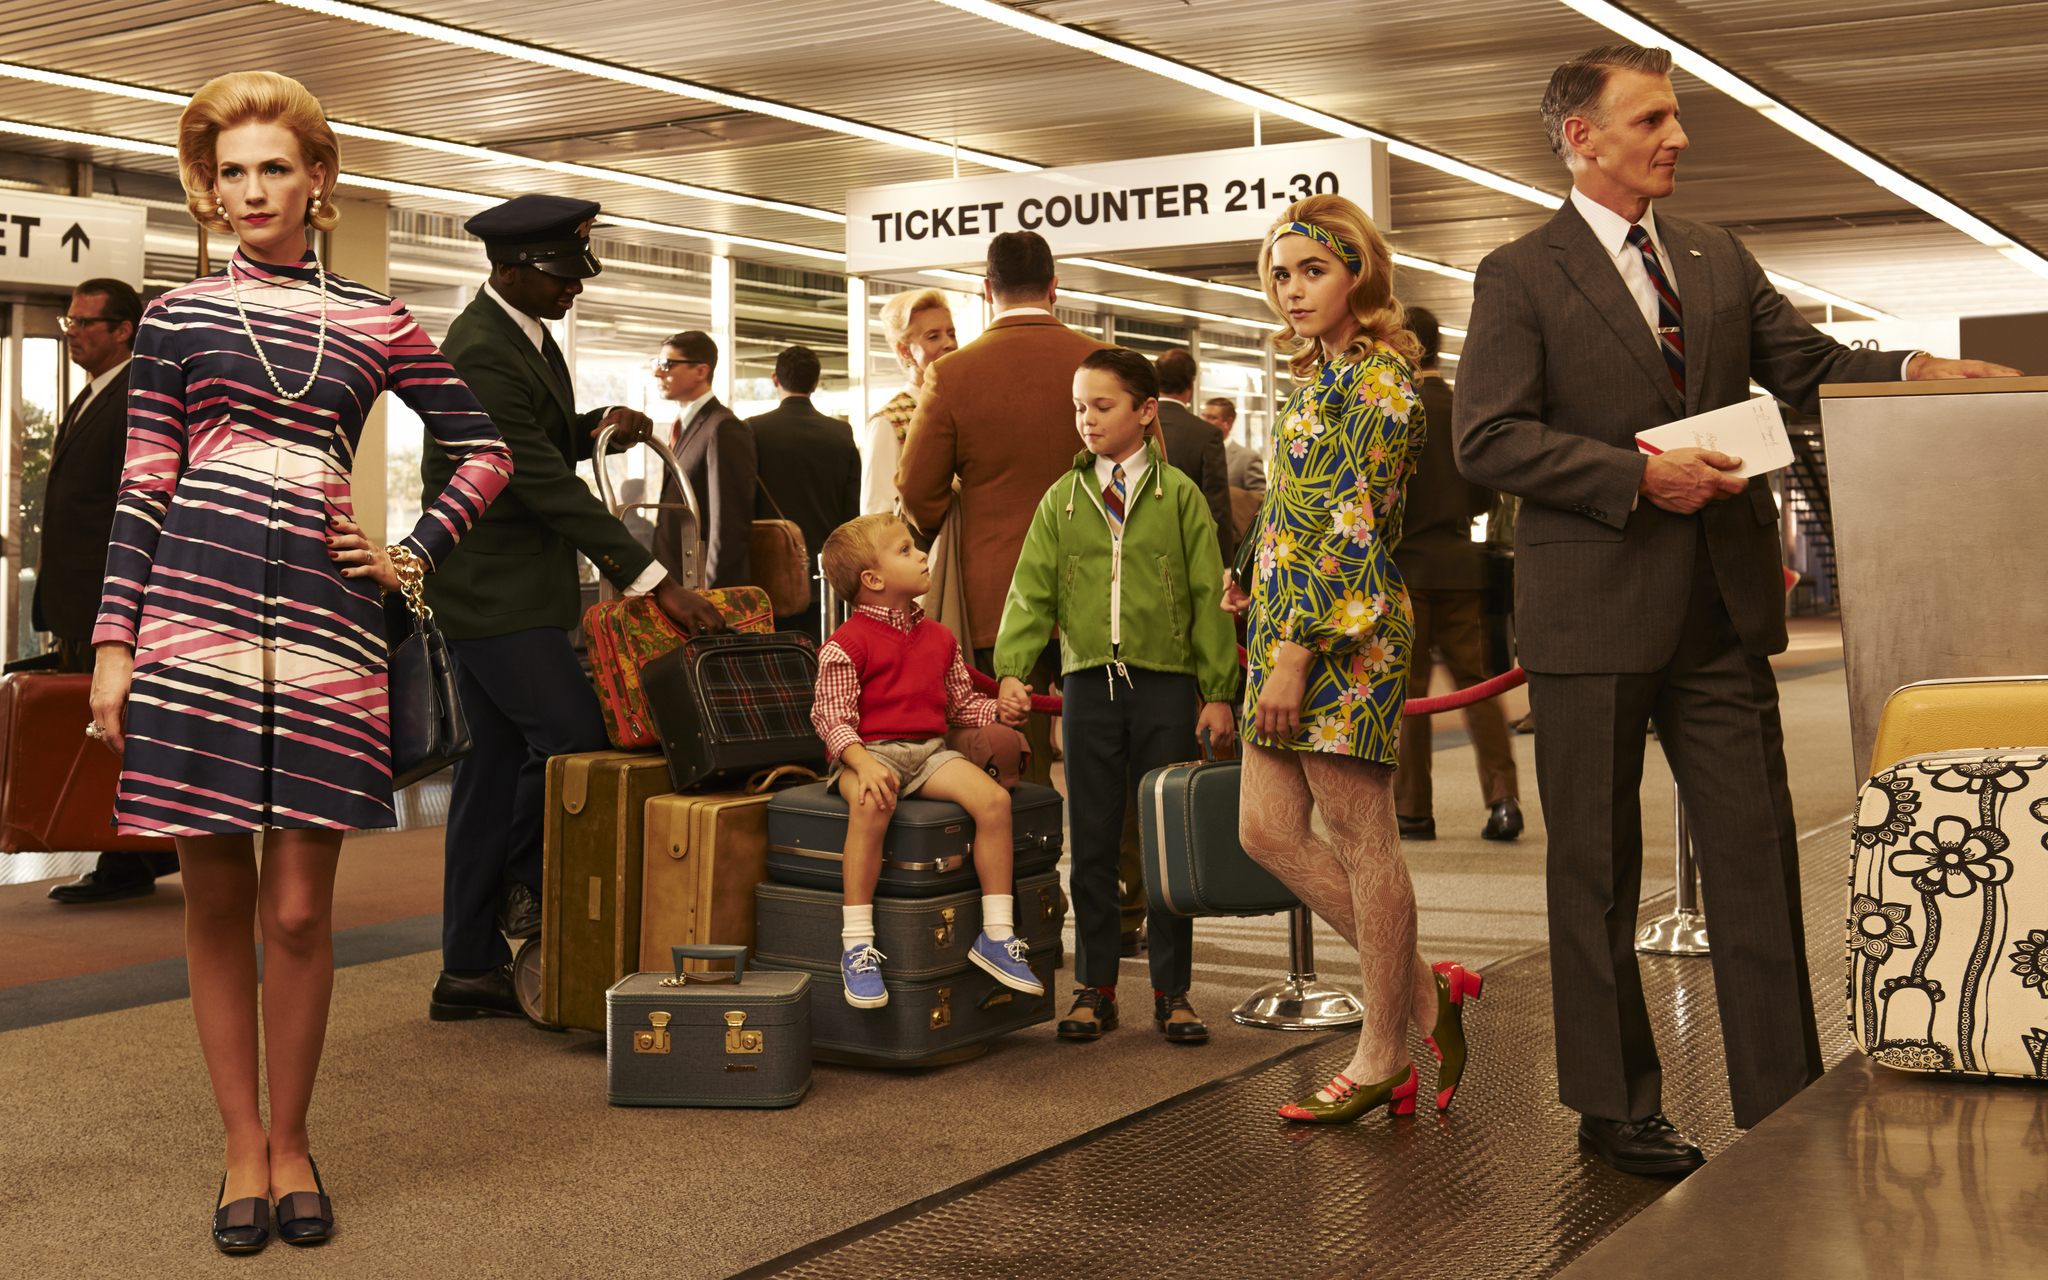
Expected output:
{"points": [[259, 696]]}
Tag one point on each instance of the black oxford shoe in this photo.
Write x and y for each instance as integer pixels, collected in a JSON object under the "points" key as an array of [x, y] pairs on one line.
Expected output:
{"points": [[1651, 1147], [519, 915], [1416, 828], [488, 995], [1504, 822]]}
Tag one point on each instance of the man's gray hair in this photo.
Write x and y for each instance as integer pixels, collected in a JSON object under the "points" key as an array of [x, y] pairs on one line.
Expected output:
{"points": [[1576, 87]]}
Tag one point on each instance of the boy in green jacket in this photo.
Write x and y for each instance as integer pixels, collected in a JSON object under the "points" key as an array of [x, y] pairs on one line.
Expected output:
{"points": [[1122, 557]]}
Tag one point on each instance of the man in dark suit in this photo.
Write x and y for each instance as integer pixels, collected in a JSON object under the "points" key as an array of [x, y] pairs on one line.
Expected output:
{"points": [[716, 451], [508, 595], [78, 521], [809, 468], [1192, 444], [1446, 579], [1649, 587]]}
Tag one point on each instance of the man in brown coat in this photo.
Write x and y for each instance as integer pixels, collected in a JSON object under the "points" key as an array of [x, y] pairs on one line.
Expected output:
{"points": [[999, 414]]}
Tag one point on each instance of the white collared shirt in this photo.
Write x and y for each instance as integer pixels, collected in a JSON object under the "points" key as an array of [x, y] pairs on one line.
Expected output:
{"points": [[1611, 230], [687, 416], [99, 384], [1000, 312], [527, 324], [1136, 467]]}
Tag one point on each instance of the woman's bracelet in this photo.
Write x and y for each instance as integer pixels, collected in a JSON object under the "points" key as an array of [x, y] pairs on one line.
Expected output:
{"points": [[411, 574]]}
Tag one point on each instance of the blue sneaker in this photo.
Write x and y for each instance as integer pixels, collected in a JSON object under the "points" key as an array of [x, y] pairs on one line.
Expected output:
{"points": [[861, 966], [1005, 960]]}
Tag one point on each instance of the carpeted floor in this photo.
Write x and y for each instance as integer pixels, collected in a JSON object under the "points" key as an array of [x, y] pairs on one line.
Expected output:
{"points": [[486, 1149]]}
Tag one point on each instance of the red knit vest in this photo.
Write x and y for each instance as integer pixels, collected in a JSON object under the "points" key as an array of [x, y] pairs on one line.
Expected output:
{"points": [[902, 676]]}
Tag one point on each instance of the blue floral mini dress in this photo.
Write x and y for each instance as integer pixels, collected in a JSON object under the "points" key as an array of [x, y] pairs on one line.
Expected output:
{"points": [[1325, 575]]}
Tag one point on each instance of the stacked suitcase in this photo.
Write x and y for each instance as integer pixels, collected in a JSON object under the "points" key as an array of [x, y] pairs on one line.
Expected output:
{"points": [[927, 914]]}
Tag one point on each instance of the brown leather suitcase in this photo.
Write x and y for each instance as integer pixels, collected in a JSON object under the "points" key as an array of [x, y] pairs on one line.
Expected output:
{"points": [[57, 785], [704, 855], [594, 849]]}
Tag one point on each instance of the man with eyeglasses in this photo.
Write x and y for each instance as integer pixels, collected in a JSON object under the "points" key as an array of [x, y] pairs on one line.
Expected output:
{"points": [[716, 451], [78, 522]]}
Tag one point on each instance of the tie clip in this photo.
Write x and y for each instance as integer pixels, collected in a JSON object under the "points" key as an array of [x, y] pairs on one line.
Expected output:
{"points": [[1669, 328]]}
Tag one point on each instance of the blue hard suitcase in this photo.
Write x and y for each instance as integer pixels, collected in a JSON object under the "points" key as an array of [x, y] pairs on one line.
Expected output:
{"points": [[928, 849], [1195, 864], [681, 1039]]}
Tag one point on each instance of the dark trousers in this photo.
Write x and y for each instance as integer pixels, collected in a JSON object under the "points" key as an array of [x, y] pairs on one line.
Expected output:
{"points": [[1037, 728], [76, 657], [1455, 623], [804, 620], [1114, 736], [526, 698], [1716, 711]]}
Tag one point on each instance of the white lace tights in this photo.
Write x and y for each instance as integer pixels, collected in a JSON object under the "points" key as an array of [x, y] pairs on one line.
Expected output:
{"points": [[1356, 880]]}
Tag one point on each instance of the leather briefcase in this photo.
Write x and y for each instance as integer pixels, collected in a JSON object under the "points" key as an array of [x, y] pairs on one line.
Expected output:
{"points": [[58, 784], [780, 564]]}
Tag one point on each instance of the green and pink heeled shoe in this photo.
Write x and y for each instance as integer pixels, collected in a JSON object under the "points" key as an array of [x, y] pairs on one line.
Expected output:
{"points": [[1351, 1100], [1454, 982]]}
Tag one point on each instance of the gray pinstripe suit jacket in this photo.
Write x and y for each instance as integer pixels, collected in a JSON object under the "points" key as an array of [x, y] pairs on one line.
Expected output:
{"points": [[1558, 374]]}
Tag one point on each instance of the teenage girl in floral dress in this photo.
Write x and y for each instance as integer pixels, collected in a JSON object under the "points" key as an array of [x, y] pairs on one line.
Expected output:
{"points": [[1330, 636]]}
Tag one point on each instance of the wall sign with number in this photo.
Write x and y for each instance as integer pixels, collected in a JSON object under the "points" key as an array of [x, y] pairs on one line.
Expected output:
{"points": [[58, 241], [1211, 197]]}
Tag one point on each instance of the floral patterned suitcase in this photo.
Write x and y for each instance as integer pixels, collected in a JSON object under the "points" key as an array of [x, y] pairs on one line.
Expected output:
{"points": [[1948, 914], [625, 635]]}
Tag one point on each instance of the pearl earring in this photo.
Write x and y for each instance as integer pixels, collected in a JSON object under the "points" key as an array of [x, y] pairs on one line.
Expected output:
{"points": [[315, 206]]}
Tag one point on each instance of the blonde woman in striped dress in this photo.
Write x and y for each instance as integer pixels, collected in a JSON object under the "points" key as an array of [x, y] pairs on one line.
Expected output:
{"points": [[240, 651]]}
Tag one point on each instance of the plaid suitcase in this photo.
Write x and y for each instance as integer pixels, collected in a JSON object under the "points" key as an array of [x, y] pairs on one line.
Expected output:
{"points": [[927, 1023], [676, 1039], [729, 705], [921, 937], [625, 635], [927, 850], [594, 851]]}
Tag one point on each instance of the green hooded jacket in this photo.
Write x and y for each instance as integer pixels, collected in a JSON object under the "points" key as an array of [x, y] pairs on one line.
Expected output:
{"points": [[1166, 612]]}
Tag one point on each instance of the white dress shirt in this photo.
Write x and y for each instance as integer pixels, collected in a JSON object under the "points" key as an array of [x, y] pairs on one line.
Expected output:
{"points": [[99, 384], [1000, 312], [1611, 230], [651, 576], [687, 416]]}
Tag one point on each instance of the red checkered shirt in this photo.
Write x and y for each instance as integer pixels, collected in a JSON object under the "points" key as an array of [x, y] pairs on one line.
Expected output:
{"points": [[836, 708]]}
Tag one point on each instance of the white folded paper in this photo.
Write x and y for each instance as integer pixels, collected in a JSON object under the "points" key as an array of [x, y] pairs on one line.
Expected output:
{"points": [[1753, 431]]}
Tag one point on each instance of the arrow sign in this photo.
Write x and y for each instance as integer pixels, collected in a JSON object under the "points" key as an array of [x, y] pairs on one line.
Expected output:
{"points": [[77, 239]]}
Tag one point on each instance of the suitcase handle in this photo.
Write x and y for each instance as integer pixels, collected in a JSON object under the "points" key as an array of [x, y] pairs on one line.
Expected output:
{"points": [[710, 951], [693, 574]]}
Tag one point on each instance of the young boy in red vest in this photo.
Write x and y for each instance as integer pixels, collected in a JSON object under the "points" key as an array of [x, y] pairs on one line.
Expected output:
{"points": [[890, 683]]}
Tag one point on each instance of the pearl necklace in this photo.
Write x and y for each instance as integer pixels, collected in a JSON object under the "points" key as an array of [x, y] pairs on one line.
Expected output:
{"points": [[319, 351]]}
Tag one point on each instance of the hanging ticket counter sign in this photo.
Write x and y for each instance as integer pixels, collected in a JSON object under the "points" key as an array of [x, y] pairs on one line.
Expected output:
{"points": [[58, 242], [1210, 197]]}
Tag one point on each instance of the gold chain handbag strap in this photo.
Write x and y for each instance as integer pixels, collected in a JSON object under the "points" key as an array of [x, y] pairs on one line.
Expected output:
{"points": [[411, 574]]}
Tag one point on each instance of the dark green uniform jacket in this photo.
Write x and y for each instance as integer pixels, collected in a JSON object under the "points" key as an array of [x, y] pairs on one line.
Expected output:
{"points": [[516, 568]]}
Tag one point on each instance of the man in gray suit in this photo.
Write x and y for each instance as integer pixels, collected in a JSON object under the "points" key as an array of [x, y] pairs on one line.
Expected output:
{"points": [[1247, 469], [1192, 444], [1649, 588]]}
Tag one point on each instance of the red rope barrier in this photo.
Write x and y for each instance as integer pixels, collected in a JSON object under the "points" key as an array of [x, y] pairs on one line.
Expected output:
{"points": [[1049, 704]]}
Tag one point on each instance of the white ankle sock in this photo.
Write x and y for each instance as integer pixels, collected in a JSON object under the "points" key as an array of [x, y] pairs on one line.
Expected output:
{"points": [[856, 925], [996, 911]]}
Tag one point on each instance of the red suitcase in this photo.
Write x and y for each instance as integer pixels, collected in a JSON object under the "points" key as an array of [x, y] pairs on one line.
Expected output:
{"points": [[56, 784], [625, 635]]}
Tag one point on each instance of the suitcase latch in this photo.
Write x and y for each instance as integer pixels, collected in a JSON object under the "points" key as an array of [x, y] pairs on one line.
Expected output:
{"points": [[1045, 902], [998, 994], [736, 1040], [943, 1015], [655, 1041], [943, 934]]}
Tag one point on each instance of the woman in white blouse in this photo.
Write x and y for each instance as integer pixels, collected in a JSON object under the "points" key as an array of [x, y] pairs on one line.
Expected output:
{"points": [[919, 327]]}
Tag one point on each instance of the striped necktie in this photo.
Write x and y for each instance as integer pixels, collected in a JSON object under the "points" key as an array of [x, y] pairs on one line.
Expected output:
{"points": [[1113, 499], [1670, 333]]}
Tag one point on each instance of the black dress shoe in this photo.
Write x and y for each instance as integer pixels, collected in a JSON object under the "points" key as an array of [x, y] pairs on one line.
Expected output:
{"points": [[1131, 942], [488, 995], [1416, 828], [1504, 822], [114, 877], [241, 1227], [306, 1217], [519, 914], [1649, 1147]]}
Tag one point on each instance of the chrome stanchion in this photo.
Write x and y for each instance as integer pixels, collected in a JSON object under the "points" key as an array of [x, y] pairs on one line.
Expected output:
{"points": [[1684, 931], [1301, 1003]]}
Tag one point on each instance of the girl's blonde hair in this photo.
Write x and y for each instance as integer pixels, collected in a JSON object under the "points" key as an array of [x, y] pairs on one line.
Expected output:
{"points": [[1380, 315], [253, 97], [900, 310]]}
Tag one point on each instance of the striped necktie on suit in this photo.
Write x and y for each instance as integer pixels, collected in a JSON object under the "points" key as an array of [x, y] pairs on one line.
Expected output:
{"points": [[1670, 332]]}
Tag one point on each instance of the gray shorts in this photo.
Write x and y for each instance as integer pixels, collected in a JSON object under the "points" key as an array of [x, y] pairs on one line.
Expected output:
{"points": [[912, 760]]}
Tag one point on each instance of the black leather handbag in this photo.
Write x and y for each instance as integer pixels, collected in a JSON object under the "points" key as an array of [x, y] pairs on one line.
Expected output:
{"points": [[428, 731]]}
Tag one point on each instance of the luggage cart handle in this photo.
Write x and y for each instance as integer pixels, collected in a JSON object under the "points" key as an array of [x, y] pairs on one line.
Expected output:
{"points": [[693, 576], [709, 951]]}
